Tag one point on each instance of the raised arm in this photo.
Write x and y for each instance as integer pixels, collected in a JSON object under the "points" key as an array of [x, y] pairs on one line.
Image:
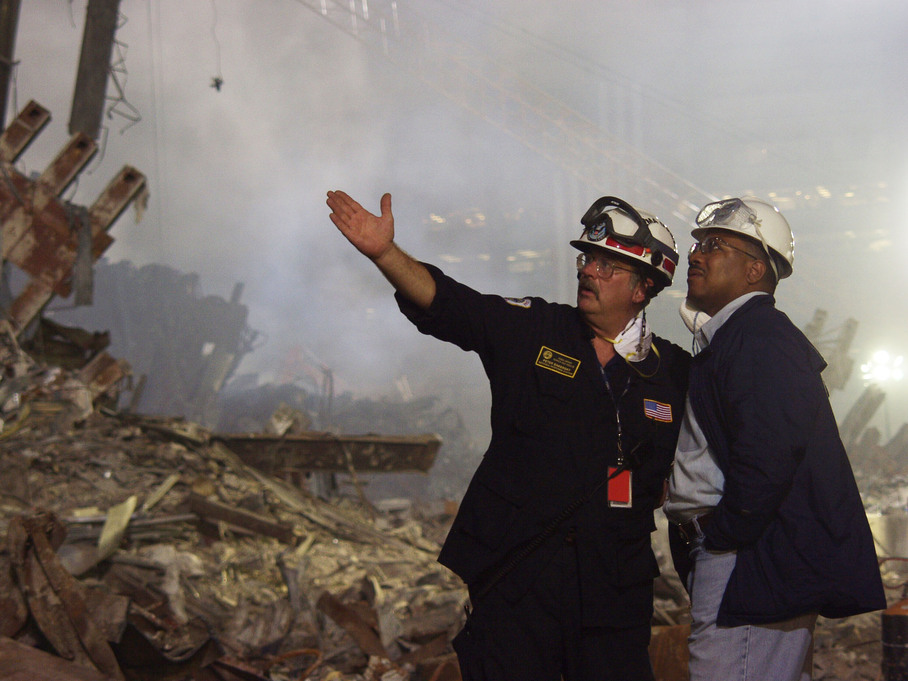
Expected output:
{"points": [[373, 236]]}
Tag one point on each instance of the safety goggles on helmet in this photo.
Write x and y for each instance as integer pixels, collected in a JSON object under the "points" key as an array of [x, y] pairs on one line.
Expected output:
{"points": [[730, 214]]}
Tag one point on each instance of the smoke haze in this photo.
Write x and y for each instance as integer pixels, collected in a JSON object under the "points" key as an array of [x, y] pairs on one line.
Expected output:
{"points": [[806, 101]]}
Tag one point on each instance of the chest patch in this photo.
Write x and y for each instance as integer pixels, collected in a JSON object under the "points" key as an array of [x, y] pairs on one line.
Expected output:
{"points": [[557, 362], [658, 411]]}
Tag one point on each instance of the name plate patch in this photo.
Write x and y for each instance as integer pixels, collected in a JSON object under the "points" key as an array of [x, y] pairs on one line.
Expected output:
{"points": [[557, 362]]}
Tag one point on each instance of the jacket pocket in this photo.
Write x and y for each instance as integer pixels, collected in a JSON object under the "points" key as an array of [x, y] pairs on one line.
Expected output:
{"points": [[551, 406], [490, 508], [630, 562]]}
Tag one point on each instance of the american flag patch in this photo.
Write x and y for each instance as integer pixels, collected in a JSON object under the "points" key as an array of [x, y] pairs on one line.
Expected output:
{"points": [[657, 411]]}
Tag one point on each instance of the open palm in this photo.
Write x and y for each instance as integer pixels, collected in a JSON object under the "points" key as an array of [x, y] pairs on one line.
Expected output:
{"points": [[372, 235]]}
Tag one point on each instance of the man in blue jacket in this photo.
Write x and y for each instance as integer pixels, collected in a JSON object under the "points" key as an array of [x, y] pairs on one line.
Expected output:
{"points": [[557, 558], [768, 527]]}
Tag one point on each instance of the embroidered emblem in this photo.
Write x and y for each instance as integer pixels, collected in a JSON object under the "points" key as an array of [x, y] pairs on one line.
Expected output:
{"points": [[555, 361], [598, 231], [657, 411], [519, 302]]}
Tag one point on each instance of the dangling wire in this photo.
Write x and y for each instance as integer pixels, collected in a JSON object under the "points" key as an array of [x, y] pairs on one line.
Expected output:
{"points": [[217, 80]]}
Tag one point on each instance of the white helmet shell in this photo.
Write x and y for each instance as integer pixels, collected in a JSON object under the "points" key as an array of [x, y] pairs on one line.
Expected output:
{"points": [[754, 218], [614, 225]]}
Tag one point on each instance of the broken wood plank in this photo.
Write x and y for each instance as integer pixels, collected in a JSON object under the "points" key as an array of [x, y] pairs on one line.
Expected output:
{"points": [[158, 494], [327, 517], [115, 525], [254, 522], [322, 451]]}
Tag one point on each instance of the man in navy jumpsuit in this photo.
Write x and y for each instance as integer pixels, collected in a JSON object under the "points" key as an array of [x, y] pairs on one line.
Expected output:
{"points": [[557, 556]]}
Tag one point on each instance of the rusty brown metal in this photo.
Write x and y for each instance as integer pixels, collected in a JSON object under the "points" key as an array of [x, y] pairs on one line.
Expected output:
{"points": [[359, 630], [19, 134], [56, 600], [39, 230], [13, 611], [29, 303], [102, 372], [111, 202], [20, 662], [318, 451], [68, 163]]}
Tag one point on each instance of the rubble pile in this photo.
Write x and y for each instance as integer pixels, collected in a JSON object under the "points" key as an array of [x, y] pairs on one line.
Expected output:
{"points": [[140, 548], [213, 560]]}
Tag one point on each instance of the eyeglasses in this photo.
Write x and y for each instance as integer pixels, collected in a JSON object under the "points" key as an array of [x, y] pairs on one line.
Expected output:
{"points": [[711, 244], [604, 268]]}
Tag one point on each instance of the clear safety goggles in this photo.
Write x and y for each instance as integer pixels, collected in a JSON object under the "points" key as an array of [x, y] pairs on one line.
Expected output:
{"points": [[728, 213]]}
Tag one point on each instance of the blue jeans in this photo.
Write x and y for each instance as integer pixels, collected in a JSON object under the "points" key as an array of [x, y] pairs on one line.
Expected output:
{"points": [[782, 651]]}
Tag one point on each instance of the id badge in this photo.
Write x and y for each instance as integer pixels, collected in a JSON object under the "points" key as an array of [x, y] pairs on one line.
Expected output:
{"points": [[619, 489]]}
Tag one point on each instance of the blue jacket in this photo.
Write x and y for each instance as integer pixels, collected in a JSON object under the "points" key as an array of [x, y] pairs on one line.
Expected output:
{"points": [[791, 507], [554, 434]]}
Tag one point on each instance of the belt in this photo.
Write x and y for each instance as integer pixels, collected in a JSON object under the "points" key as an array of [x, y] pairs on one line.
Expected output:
{"points": [[693, 528]]}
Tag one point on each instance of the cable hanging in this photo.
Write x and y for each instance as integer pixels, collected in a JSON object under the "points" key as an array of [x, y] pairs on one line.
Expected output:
{"points": [[217, 80]]}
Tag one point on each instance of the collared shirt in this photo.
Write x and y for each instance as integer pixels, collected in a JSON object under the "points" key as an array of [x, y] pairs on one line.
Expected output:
{"points": [[696, 484]]}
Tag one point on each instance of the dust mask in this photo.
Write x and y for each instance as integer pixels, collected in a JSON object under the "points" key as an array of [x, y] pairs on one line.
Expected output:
{"points": [[633, 344]]}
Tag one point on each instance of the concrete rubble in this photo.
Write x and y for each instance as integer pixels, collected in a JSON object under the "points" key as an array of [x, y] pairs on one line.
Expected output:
{"points": [[142, 548]]}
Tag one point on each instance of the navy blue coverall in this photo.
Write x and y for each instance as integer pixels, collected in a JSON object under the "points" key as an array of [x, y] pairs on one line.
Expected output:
{"points": [[581, 604]]}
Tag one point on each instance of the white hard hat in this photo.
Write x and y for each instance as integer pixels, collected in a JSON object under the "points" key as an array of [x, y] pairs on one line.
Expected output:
{"points": [[614, 225], [754, 218]]}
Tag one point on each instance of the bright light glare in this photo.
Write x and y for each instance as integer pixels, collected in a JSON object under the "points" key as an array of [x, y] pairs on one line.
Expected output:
{"points": [[883, 368]]}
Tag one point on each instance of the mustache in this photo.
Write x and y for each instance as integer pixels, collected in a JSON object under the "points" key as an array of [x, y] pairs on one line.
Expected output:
{"points": [[585, 283]]}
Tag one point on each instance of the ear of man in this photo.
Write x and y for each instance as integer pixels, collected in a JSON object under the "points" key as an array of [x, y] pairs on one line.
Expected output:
{"points": [[759, 275], [642, 290]]}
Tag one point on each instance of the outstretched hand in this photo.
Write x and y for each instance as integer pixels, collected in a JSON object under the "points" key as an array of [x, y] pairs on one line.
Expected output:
{"points": [[372, 235]]}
